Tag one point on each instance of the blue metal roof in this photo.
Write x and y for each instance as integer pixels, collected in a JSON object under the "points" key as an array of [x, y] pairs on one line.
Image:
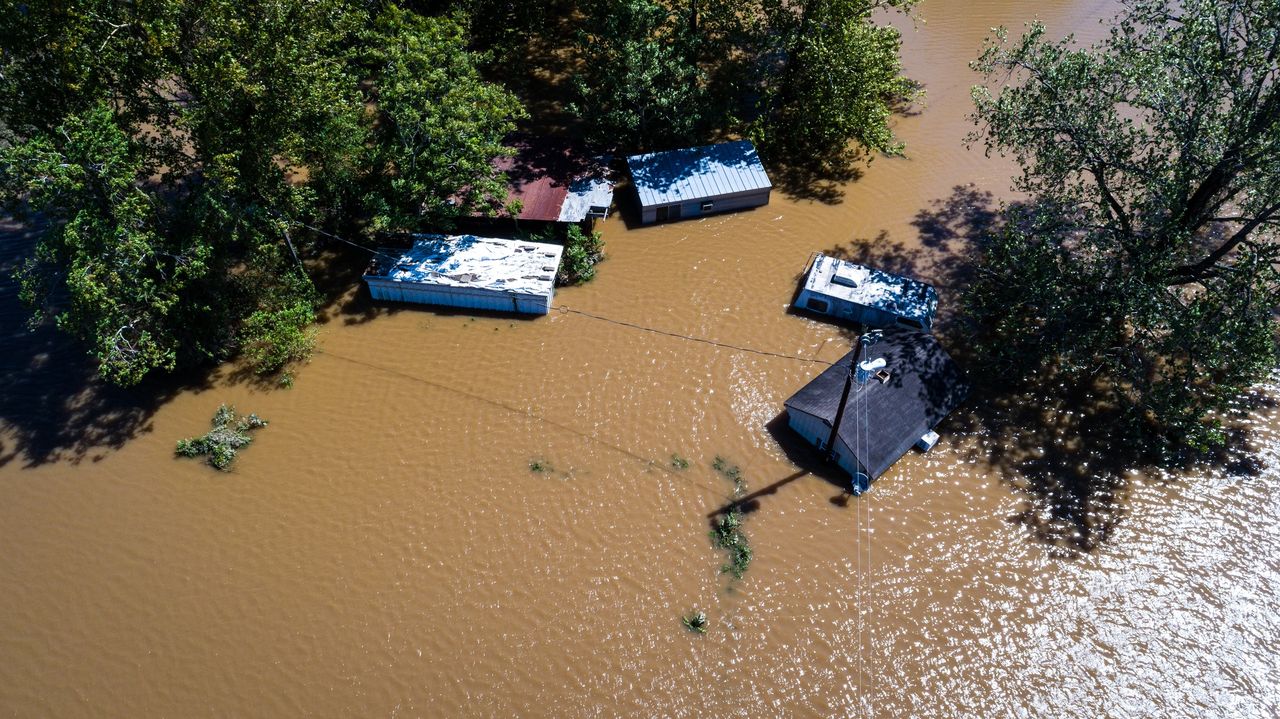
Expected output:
{"points": [[697, 173]]}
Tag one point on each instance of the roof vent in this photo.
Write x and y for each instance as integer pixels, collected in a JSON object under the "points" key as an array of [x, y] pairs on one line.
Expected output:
{"points": [[867, 368], [844, 275]]}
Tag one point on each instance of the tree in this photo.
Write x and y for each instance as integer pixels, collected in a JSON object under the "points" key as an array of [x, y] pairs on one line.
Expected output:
{"points": [[830, 79], [1140, 274], [178, 150], [812, 81], [440, 124], [641, 85]]}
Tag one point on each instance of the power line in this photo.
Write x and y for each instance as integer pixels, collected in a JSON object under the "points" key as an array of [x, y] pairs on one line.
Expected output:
{"points": [[530, 414], [330, 235], [564, 308], [691, 338]]}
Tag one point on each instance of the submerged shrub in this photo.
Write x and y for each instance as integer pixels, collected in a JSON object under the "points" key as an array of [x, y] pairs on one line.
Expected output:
{"points": [[696, 622], [733, 474], [582, 251], [727, 534], [220, 444]]}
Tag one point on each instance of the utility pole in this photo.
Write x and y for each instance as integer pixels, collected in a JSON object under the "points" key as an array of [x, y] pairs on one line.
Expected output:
{"points": [[862, 375]]}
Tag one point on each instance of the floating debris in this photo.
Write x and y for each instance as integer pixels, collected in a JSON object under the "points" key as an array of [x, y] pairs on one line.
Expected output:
{"points": [[229, 434]]}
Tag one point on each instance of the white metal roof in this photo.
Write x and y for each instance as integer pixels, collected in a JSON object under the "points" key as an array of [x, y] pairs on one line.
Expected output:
{"points": [[585, 193], [870, 287], [697, 173], [475, 262]]}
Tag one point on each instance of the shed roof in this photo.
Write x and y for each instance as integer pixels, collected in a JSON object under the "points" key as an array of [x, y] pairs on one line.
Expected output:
{"points": [[923, 387], [696, 173], [555, 179], [870, 287], [468, 261]]}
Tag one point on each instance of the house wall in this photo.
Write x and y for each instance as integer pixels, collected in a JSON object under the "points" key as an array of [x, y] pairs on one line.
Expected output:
{"points": [[815, 431], [843, 309], [466, 297], [693, 208]]}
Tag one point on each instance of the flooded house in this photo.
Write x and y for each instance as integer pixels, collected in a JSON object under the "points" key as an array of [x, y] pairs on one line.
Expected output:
{"points": [[696, 181], [480, 273], [865, 295], [872, 406], [556, 180]]}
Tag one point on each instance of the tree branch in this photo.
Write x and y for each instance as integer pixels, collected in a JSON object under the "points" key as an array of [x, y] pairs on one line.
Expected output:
{"points": [[1191, 273]]}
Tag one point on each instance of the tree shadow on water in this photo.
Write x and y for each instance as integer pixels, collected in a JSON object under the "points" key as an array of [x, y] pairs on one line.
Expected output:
{"points": [[53, 407], [1067, 456]]}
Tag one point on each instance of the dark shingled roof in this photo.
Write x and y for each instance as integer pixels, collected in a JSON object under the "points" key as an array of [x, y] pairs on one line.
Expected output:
{"points": [[924, 386]]}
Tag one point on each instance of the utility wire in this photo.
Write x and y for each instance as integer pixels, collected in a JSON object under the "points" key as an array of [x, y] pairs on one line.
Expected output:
{"points": [[330, 235], [564, 308], [691, 338], [530, 414]]}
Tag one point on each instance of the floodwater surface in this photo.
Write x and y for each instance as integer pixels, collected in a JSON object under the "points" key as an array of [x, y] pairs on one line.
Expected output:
{"points": [[384, 548]]}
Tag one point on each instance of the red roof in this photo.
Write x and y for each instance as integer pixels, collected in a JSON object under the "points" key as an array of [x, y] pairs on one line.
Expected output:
{"points": [[541, 171]]}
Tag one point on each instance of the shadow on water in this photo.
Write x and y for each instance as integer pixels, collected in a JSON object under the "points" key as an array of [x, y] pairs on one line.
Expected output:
{"points": [[52, 405], [1064, 456]]}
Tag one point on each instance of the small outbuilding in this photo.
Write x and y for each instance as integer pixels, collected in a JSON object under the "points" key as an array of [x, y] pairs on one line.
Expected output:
{"points": [[866, 295], [556, 180], [699, 180], [867, 415], [479, 273]]}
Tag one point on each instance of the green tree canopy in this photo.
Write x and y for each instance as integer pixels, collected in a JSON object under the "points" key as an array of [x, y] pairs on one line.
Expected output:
{"points": [[641, 84], [830, 78], [173, 147], [1141, 271], [811, 80]]}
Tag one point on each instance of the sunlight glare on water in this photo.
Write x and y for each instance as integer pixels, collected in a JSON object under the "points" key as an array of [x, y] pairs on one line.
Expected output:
{"points": [[385, 549]]}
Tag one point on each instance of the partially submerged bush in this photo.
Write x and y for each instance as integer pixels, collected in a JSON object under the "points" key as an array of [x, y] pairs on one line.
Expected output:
{"points": [[696, 622], [678, 462], [228, 435], [275, 337], [582, 251], [733, 474], [726, 533]]}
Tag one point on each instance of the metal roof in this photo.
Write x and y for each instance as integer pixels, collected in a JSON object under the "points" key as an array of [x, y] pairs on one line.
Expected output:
{"points": [[469, 261], [697, 173], [924, 385], [555, 179], [870, 287]]}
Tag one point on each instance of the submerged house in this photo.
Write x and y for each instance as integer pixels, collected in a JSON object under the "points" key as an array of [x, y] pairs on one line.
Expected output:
{"points": [[866, 295], [867, 416], [698, 180], [467, 271], [556, 180]]}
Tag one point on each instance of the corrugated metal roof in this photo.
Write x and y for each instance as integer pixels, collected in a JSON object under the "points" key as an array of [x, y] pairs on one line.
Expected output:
{"points": [[697, 173], [470, 261], [555, 179], [883, 419], [870, 287]]}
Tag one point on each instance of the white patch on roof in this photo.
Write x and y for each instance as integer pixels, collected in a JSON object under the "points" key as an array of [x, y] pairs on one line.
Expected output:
{"points": [[475, 262], [585, 193], [697, 173], [870, 287]]}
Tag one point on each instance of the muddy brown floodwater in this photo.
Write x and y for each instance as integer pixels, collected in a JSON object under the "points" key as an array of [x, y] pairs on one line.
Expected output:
{"points": [[383, 549]]}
